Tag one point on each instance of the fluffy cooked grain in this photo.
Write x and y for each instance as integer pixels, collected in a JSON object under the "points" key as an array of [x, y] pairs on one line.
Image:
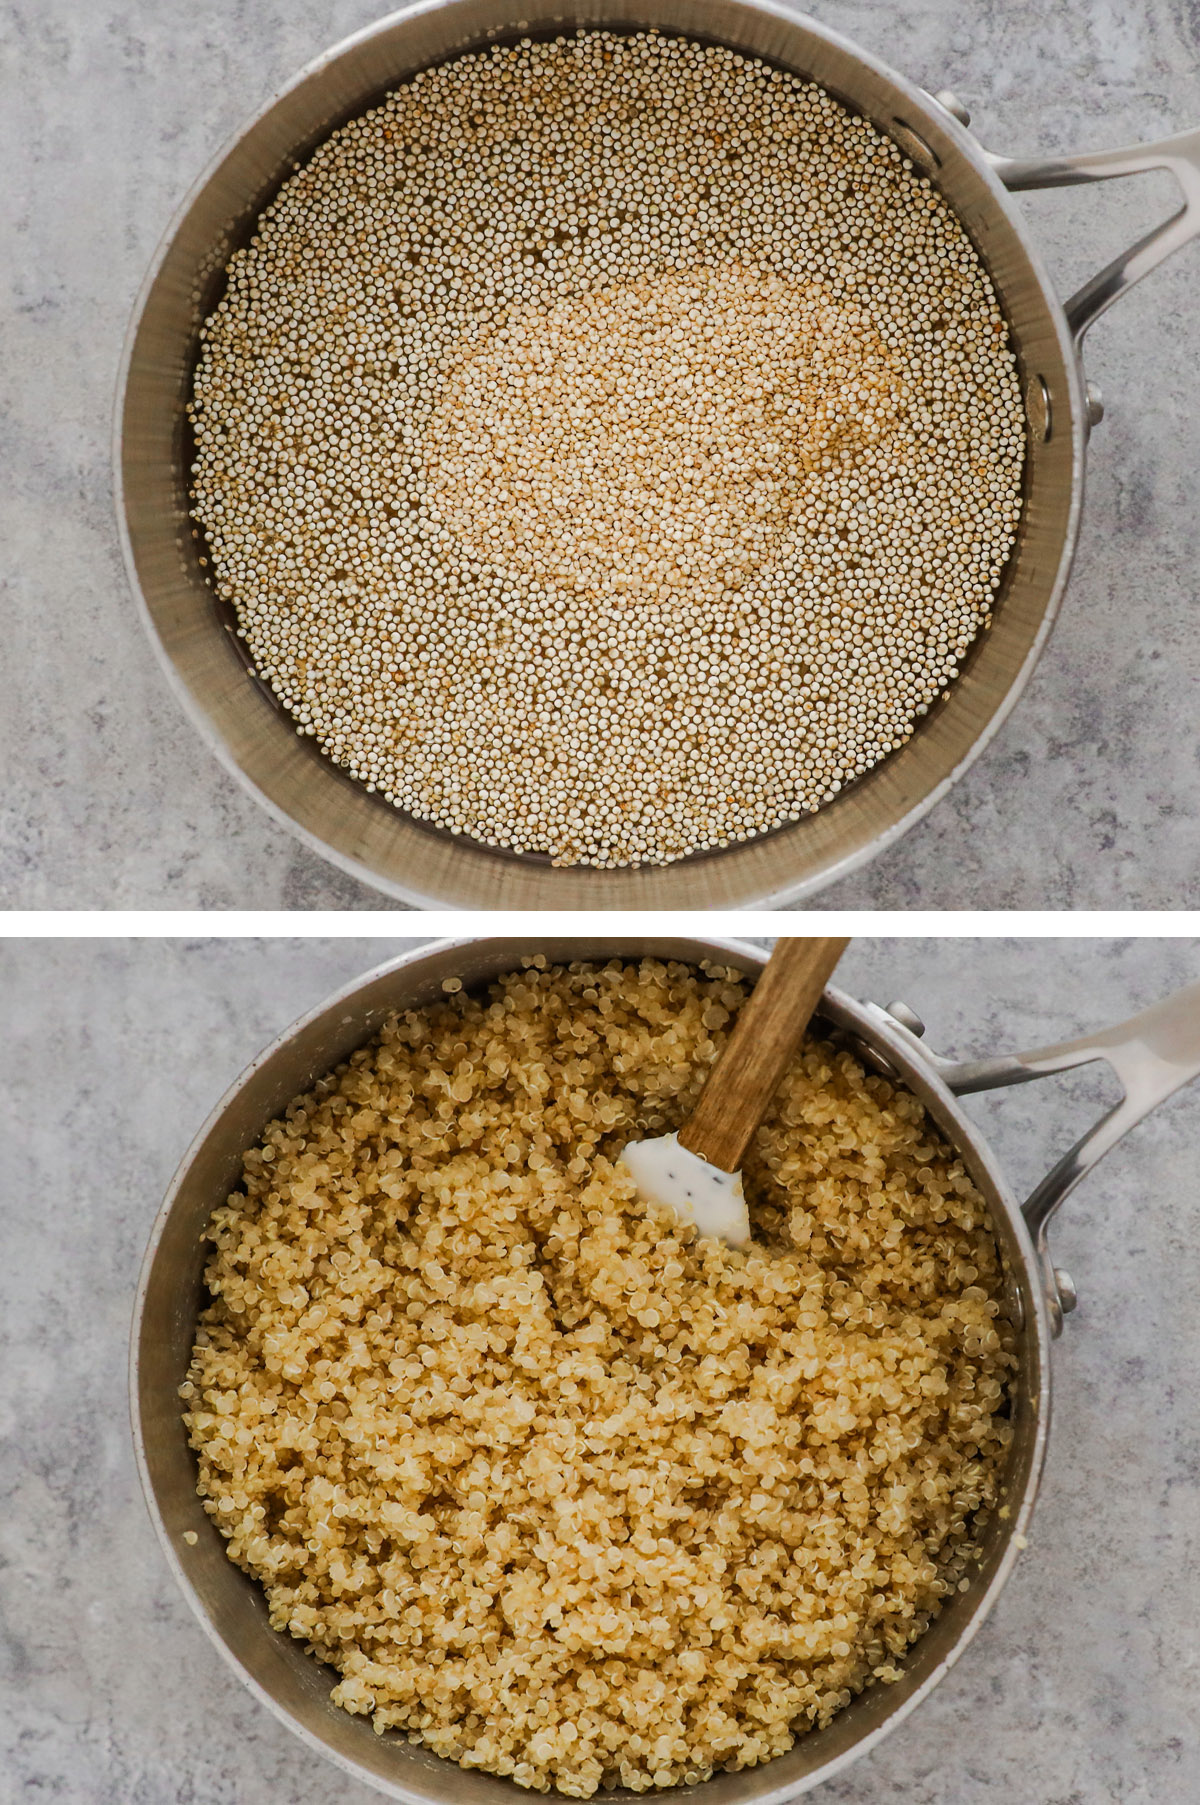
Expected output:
{"points": [[561, 1491]]}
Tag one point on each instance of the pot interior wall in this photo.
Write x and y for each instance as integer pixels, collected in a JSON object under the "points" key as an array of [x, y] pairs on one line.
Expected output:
{"points": [[232, 1606], [240, 715]]}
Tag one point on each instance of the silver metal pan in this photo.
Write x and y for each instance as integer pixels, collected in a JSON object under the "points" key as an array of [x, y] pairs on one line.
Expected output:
{"points": [[1152, 1055], [247, 728]]}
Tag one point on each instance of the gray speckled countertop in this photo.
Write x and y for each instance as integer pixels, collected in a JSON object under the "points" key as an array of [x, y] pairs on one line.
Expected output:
{"points": [[1090, 795], [1082, 1689]]}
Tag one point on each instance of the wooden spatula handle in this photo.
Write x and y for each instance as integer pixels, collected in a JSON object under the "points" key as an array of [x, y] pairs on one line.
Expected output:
{"points": [[766, 1033]]}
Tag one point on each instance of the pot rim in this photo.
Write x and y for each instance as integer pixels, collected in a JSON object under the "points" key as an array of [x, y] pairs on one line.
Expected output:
{"points": [[872, 1023]]}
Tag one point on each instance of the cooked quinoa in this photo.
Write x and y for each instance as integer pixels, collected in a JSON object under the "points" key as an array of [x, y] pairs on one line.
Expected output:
{"points": [[611, 447], [561, 1490]]}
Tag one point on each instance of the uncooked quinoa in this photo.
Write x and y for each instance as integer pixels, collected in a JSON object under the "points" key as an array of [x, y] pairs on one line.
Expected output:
{"points": [[562, 1491], [610, 447]]}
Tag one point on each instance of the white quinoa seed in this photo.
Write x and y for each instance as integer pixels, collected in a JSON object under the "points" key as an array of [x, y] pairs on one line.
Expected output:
{"points": [[563, 1491], [610, 447]]}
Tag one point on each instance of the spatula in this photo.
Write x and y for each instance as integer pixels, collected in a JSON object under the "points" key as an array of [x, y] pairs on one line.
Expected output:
{"points": [[697, 1172]]}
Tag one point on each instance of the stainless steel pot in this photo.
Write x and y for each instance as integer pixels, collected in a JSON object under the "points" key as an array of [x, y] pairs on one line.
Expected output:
{"points": [[238, 714], [1153, 1055]]}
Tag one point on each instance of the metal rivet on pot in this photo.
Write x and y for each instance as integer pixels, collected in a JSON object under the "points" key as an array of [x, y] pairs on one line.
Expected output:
{"points": [[1095, 404], [914, 146], [1064, 1284], [946, 97], [871, 1056], [908, 1018], [1037, 409]]}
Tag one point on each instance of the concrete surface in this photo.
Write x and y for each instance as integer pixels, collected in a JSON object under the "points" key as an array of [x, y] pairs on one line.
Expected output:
{"points": [[1090, 796], [1080, 1690]]}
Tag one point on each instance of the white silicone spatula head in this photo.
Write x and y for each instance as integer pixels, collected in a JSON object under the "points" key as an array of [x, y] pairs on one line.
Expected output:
{"points": [[669, 1174], [697, 1173]]}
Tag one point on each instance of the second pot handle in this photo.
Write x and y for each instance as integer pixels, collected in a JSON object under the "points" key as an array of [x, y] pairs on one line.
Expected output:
{"points": [[1180, 154], [1153, 1054]]}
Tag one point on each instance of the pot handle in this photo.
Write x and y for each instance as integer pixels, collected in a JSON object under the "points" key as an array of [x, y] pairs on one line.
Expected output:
{"points": [[1153, 1054], [1180, 154]]}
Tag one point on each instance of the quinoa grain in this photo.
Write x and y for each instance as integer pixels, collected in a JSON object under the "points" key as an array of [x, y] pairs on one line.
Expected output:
{"points": [[561, 1490], [611, 447]]}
